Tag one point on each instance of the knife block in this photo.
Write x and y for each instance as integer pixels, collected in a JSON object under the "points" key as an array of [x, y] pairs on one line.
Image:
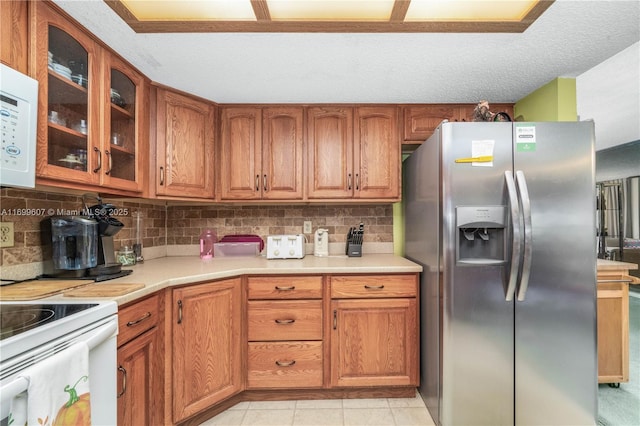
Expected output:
{"points": [[353, 249]]}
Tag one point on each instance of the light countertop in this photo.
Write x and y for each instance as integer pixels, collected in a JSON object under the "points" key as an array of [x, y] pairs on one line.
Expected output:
{"points": [[164, 272], [610, 265]]}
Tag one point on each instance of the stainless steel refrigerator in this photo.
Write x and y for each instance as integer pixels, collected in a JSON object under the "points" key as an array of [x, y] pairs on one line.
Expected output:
{"points": [[502, 218]]}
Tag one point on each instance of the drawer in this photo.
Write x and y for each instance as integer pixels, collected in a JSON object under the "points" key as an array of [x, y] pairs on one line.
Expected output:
{"points": [[367, 286], [285, 320], [284, 365], [137, 318], [293, 287]]}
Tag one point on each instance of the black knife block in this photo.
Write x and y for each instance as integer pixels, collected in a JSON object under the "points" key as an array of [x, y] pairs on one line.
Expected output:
{"points": [[354, 250]]}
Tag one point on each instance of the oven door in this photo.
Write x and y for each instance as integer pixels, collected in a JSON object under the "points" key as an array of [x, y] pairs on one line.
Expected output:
{"points": [[100, 336]]}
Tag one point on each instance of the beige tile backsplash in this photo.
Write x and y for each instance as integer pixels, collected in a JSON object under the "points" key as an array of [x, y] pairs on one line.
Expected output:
{"points": [[181, 224]]}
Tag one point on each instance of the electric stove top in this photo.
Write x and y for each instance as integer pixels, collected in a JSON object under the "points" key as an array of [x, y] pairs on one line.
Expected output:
{"points": [[27, 325], [20, 318]]}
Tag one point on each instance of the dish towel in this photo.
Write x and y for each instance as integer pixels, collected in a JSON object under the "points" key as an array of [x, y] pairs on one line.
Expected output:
{"points": [[58, 392]]}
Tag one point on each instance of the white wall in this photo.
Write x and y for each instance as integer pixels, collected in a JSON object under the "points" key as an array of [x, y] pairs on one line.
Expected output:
{"points": [[609, 93]]}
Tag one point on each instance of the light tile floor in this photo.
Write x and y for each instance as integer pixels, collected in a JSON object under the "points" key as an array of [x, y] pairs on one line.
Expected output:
{"points": [[328, 412]]}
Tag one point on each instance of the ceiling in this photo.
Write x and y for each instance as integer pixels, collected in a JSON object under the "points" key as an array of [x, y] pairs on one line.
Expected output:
{"points": [[569, 38]]}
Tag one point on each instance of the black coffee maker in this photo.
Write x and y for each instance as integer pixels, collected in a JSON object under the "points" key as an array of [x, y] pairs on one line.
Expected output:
{"points": [[81, 247], [107, 266]]}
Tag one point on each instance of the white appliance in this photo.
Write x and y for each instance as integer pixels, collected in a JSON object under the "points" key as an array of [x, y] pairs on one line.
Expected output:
{"points": [[502, 218], [321, 242], [286, 246], [33, 331], [18, 118]]}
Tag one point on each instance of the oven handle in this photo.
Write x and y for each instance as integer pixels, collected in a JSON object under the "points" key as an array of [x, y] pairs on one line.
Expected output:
{"points": [[21, 384]]}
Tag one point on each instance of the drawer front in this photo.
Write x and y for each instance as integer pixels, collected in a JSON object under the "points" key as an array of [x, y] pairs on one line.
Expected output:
{"points": [[366, 286], [294, 287], [137, 318], [285, 320], [285, 365]]}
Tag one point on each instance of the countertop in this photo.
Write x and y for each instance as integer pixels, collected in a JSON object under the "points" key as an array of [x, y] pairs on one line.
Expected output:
{"points": [[611, 265], [165, 272]]}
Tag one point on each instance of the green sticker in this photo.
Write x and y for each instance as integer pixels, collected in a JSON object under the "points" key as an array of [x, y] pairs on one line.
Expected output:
{"points": [[525, 137]]}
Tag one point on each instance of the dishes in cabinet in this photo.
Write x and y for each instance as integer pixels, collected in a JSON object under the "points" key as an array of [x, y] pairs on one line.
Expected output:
{"points": [[116, 99], [71, 161], [62, 70], [79, 79]]}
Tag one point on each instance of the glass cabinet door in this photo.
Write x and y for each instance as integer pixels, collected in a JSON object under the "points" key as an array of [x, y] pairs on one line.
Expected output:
{"points": [[68, 101], [64, 64], [124, 90]]}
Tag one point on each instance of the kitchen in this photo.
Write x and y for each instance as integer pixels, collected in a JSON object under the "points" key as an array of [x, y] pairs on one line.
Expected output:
{"points": [[169, 228]]}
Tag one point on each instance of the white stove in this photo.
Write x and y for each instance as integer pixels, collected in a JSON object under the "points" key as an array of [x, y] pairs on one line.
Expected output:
{"points": [[33, 331]]}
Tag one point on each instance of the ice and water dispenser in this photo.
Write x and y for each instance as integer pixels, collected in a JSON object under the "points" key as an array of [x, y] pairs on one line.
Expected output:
{"points": [[480, 238]]}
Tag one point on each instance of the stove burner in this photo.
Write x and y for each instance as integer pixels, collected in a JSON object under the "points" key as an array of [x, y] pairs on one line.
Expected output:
{"points": [[13, 321], [18, 318]]}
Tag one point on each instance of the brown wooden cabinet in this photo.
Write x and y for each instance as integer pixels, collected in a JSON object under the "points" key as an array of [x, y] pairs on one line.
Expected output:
{"points": [[87, 95], [284, 322], [140, 364], [353, 153], [184, 146], [420, 120], [261, 153], [374, 336], [206, 322], [613, 323], [14, 24]]}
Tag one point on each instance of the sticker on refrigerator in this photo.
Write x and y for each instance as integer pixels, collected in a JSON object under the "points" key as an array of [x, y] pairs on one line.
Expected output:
{"points": [[482, 153], [525, 138]]}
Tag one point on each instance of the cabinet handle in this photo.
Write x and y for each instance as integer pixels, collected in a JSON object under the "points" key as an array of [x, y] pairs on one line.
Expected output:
{"points": [[95, 149], [357, 182], [291, 287], [285, 363], [161, 176], [179, 311], [124, 380], [139, 320], [257, 183], [108, 154], [335, 319], [349, 181], [285, 321], [374, 287], [264, 183]]}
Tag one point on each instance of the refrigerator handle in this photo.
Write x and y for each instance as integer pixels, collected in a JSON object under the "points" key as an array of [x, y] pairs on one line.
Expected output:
{"points": [[528, 237], [514, 208]]}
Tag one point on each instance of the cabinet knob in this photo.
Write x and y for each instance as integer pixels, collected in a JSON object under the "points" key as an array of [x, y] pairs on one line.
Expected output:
{"points": [[285, 321], [285, 363]]}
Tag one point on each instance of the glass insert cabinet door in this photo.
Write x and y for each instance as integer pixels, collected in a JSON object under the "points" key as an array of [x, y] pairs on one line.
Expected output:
{"points": [[68, 113], [124, 88]]}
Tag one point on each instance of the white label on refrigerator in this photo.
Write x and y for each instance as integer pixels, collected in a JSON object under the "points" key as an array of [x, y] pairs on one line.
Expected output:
{"points": [[482, 148], [525, 137]]}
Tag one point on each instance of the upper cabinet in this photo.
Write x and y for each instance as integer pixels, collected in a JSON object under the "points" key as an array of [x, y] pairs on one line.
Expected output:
{"points": [[14, 34], [421, 120], [184, 146], [353, 153], [261, 153], [89, 134]]}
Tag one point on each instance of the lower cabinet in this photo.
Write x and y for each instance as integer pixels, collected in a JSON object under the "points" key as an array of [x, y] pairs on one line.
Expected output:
{"points": [[206, 345], [613, 325], [140, 364], [374, 340]]}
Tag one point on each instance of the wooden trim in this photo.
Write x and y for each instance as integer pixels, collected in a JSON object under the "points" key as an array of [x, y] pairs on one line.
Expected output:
{"points": [[261, 9], [399, 10]]}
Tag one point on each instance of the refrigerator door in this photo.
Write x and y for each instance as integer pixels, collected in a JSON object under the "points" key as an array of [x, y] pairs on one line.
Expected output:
{"points": [[555, 318], [477, 322]]}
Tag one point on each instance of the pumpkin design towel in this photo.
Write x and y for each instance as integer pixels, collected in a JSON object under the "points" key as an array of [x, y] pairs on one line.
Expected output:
{"points": [[58, 392]]}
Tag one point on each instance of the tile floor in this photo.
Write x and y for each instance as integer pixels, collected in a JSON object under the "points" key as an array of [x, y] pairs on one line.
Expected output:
{"points": [[332, 412]]}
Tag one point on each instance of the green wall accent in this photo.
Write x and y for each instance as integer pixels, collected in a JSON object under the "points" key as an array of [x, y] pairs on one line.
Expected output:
{"points": [[555, 101]]}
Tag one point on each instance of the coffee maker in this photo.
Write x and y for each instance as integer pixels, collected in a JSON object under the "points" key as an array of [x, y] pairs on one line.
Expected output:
{"points": [[82, 246]]}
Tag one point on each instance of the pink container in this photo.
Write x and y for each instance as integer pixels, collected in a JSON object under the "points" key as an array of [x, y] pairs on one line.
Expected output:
{"points": [[207, 240]]}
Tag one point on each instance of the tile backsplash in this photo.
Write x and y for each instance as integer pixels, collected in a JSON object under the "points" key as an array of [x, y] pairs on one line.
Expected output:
{"points": [[176, 225]]}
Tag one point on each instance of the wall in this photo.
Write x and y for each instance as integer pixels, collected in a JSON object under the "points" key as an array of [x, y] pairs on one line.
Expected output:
{"points": [[609, 93], [174, 230], [618, 162], [555, 101]]}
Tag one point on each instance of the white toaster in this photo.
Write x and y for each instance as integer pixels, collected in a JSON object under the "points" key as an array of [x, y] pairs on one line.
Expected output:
{"points": [[285, 246]]}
